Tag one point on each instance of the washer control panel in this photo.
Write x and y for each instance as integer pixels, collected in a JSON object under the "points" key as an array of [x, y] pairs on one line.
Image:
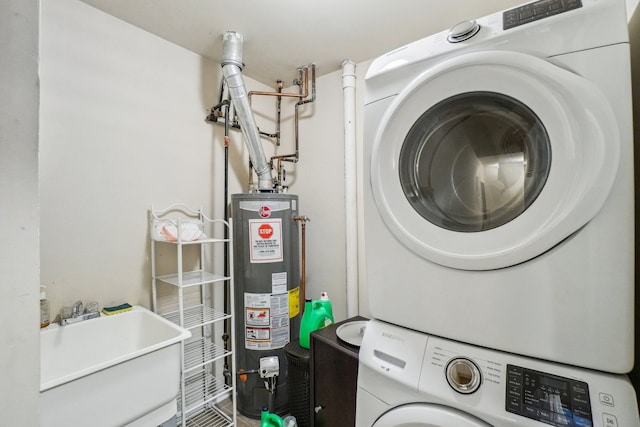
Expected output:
{"points": [[400, 366], [548, 398], [537, 10]]}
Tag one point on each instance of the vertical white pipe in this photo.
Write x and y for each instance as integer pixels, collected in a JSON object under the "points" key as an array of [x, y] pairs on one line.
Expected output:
{"points": [[351, 213]]}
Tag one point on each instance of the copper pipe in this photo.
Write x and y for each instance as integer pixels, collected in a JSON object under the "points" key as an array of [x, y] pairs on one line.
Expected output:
{"points": [[303, 221], [294, 156], [302, 94], [313, 85], [291, 95], [281, 94]]}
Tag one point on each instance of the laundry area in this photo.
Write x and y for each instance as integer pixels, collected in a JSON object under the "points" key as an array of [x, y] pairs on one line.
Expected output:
{"points": [[230, 216]]}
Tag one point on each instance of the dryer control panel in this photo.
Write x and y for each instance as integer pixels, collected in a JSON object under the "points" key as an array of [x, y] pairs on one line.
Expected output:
{"points": [[548, 398], [537, 10]]}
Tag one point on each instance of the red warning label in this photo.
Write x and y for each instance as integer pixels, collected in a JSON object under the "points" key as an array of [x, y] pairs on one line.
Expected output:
{"points": [[266, 240]]}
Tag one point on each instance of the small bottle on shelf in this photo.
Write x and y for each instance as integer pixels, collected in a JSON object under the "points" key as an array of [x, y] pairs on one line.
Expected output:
{"points": [[44, 307]]}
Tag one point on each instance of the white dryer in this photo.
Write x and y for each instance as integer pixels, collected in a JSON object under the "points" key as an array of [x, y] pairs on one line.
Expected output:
{"points": [[407, 378], [498, 162]]}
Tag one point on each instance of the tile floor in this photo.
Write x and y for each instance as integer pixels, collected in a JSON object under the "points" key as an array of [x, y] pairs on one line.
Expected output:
{"points": [[247, 422], [242, 420]]}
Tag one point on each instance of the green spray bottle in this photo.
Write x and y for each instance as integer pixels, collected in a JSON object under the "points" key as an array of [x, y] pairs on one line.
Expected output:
{"points": [[267, 419]]}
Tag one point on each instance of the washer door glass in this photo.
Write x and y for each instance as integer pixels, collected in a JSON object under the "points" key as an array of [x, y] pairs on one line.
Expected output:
{"points": [[474, 161], [427, 415]]}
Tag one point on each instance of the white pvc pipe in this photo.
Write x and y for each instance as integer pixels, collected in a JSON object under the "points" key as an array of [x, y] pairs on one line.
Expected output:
{"points": [[351, 212]]}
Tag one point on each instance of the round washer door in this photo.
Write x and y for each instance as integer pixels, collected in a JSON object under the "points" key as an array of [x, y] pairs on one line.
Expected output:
{"points": [[490, 158], [426, 415]]}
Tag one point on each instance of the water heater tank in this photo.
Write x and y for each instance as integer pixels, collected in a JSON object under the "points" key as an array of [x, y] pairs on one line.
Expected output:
{"points": [[266, 271]]}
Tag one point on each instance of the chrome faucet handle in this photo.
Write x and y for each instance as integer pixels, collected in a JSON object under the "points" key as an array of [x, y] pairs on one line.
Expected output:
{"points": [[66, 313], [78, 309]]}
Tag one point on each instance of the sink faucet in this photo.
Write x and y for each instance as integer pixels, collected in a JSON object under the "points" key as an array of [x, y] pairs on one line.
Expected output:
{"points": [[76, 313]]}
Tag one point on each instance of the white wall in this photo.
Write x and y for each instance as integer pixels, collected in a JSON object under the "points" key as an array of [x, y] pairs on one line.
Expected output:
{"points": [[19, 269], [321, 186], [122, 129]]}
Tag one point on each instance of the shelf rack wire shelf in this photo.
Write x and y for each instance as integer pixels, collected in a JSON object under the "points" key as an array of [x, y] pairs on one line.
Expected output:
{"points": [[208, 368]]}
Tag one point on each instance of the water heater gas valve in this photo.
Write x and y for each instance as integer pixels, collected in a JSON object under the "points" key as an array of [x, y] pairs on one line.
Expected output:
{"points": [[269, 367]]}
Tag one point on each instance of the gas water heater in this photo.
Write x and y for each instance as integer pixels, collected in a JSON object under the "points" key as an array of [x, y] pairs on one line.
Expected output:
{"points": [[266, 271]]}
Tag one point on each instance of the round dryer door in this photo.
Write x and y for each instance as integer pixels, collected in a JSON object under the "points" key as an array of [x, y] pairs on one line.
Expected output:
{"points": [[426, 415], [491, 158]]}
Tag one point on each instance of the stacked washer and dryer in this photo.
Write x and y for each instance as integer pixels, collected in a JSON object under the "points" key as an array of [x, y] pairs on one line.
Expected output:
{"points": [[499, 224]]}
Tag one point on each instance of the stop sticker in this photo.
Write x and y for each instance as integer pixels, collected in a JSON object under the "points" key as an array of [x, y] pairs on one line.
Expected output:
{"points": [[266, 240], [265, 231]]}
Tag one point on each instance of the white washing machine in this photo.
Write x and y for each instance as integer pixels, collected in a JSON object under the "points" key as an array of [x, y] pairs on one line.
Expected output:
{"points": [[499, 184], [407, 378]]}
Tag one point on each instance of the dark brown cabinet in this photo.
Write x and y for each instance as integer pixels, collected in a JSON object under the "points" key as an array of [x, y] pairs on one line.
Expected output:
{"points": [[334, 378]]}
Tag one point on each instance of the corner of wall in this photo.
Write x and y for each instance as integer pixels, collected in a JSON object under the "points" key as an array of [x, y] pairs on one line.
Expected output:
{"points": [[19, 255], [634, 39]]}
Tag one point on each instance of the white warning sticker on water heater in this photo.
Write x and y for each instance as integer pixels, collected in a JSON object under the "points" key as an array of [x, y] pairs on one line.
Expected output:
{"points": [[265, 240], [266, 321]]}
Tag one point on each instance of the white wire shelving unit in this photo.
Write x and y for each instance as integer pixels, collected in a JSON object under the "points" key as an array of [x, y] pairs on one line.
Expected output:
{"points": [[192, 300]]}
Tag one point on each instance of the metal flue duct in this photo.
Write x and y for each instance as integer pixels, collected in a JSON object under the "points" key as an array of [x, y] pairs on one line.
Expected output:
{"points": [[232, 72]]}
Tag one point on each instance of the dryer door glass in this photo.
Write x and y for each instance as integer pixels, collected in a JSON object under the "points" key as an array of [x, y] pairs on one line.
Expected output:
{"points": [[474, 161]]}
